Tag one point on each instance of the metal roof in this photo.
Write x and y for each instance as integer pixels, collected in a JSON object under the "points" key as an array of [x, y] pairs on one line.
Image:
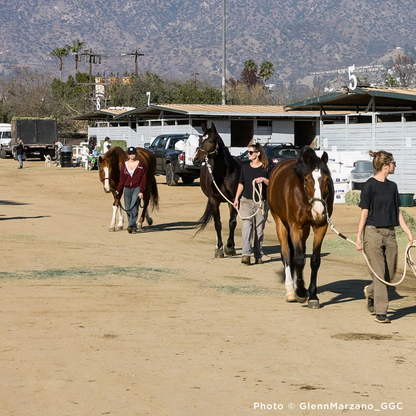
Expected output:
{"points": [[102, 114], [384, 99], [206, 110]]}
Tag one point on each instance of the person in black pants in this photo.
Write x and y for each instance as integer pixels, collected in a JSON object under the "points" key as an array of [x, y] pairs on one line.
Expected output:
{"points": [[19, 153]]}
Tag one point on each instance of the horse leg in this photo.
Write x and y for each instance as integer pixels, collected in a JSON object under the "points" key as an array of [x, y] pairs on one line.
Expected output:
{"points": [[283, 236], [229, 249], [219, 253], [319, 234], [120, 225], [113, 219], [299, 238]]}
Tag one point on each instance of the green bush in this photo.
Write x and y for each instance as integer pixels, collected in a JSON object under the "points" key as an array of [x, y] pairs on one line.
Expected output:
{"points": [[353, 197]]}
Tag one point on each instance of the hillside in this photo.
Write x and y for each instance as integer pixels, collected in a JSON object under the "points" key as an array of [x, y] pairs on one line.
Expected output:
{"points": [[181, 37]]}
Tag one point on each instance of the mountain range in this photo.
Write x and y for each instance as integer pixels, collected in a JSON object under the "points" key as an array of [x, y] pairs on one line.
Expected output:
{"points": [[179, 38]]}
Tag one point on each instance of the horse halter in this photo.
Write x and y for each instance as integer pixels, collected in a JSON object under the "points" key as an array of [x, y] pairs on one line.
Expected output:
{"points": [[208, 154], [312, 200]]}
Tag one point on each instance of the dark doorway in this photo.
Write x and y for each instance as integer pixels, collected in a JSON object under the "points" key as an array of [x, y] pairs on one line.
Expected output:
{"points": [[241, 132], [305, 132]]}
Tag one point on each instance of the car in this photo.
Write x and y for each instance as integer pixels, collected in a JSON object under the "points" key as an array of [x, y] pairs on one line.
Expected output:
{"points": [[276, 153]]}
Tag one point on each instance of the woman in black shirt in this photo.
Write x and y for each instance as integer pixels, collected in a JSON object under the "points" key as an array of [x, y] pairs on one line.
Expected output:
{"points": [[257, 170], [380, 213]]}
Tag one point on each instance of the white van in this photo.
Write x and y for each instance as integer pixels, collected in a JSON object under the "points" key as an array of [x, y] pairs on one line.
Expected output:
{"points": [[5, 139]]}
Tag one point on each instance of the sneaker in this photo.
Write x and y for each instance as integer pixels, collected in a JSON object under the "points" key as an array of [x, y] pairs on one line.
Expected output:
{"points": [[245, 259], [258, 261], [382, 319], [369, 301]]}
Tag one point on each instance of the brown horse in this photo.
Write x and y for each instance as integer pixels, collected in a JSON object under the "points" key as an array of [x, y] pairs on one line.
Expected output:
{"points": [[111, 164], [219, 180], [300, 196]]}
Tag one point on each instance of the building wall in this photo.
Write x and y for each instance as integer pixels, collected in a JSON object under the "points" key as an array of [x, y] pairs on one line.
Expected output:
{"points": [[398, 138]]}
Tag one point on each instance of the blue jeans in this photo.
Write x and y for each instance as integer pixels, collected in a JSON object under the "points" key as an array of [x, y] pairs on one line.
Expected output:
{"points": [[131, 204], [20, 158]]}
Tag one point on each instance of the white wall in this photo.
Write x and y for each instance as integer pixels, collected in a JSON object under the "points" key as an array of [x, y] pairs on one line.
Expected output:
{"points": [[283, 131]]}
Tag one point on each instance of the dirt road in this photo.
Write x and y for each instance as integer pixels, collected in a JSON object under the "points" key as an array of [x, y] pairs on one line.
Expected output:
{"points": [[100, 323]]}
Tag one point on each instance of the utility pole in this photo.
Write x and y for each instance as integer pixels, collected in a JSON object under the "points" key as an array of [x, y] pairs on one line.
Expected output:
{"points": [[91, 58], [136, 54], [223, 52], [195, 75]]}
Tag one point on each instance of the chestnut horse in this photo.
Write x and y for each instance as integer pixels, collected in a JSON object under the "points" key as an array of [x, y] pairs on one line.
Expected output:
{"points": [[223, 171], [111, 164], [300, 196]]}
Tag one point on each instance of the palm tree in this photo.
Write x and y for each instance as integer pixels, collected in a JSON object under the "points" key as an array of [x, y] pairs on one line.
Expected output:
{"points": [[60, 53], [266, 70], [249, 74], [75, 49]]}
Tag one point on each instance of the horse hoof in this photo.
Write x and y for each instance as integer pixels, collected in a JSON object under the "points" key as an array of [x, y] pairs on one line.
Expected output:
{"points": [[230, 251], [111, 229], [290, 297], [118, 228], [219, 254], [301, 299], [314, 304], [149, 220]]}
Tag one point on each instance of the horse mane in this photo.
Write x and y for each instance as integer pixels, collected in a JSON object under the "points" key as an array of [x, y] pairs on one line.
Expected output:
{"points": [[308, 161]]}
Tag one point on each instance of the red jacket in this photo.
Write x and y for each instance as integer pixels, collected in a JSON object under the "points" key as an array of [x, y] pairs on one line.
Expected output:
{"points": [[131, 182]]}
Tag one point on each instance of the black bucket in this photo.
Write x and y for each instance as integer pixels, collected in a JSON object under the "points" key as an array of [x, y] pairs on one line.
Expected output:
{"points": [[66, 157]]}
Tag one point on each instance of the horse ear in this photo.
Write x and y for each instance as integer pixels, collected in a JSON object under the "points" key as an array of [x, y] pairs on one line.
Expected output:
{"points": [[100, 159], [214, 130], [306, 155], [324, 158], [204, 127]]}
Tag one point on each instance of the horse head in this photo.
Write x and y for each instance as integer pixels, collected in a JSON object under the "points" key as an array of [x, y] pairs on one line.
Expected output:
{"points": [[317, 183], [110, 165], [105, 172], [208, 145]]}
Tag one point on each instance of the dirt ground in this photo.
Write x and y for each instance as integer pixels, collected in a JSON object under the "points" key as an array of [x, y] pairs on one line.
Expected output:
{"points": [[100, 323]]}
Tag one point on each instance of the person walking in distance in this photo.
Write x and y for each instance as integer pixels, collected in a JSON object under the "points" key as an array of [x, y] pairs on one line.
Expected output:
{"points": [[133, 181], [253, 213], [19, 153], [380, 213], [106, 145]]}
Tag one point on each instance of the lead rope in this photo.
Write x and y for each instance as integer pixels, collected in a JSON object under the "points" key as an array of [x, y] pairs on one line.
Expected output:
{"points": [[407, 258], [256, 193]]}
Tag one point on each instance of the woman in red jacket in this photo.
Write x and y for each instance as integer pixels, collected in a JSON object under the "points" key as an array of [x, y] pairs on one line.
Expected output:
{"points": [[133, 180]]}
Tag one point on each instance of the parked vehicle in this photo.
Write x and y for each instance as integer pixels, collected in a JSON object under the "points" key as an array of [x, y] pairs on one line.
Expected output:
{"points": [[5, 139], [38, 136], [174, 157], [276, 152]]}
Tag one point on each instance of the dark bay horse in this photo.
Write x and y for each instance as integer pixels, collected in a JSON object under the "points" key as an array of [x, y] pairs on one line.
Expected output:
{"points": [[224, 170], [300, 196], [111, 164]]}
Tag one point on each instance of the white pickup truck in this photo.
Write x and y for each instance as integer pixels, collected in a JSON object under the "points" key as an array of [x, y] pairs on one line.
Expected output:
{"points": [[5, 140]]}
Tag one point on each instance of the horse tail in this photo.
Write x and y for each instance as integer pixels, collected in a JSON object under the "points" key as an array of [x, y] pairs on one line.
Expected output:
{"points": [[154, 194], [205, 219]]}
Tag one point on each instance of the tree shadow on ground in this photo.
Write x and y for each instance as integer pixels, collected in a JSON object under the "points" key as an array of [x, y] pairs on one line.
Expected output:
{"points": [[3, 202], [24, 218]]}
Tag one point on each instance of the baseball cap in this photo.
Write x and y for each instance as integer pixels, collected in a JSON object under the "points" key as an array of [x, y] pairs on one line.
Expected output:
{"points": [[131, 150]]}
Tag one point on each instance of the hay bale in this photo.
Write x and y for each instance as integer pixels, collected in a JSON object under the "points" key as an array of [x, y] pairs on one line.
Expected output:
{"points": [[353, 197]]}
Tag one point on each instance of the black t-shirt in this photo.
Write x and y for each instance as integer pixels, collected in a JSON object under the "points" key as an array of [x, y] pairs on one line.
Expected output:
{"points": [[248, 174], [382, 201]]}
